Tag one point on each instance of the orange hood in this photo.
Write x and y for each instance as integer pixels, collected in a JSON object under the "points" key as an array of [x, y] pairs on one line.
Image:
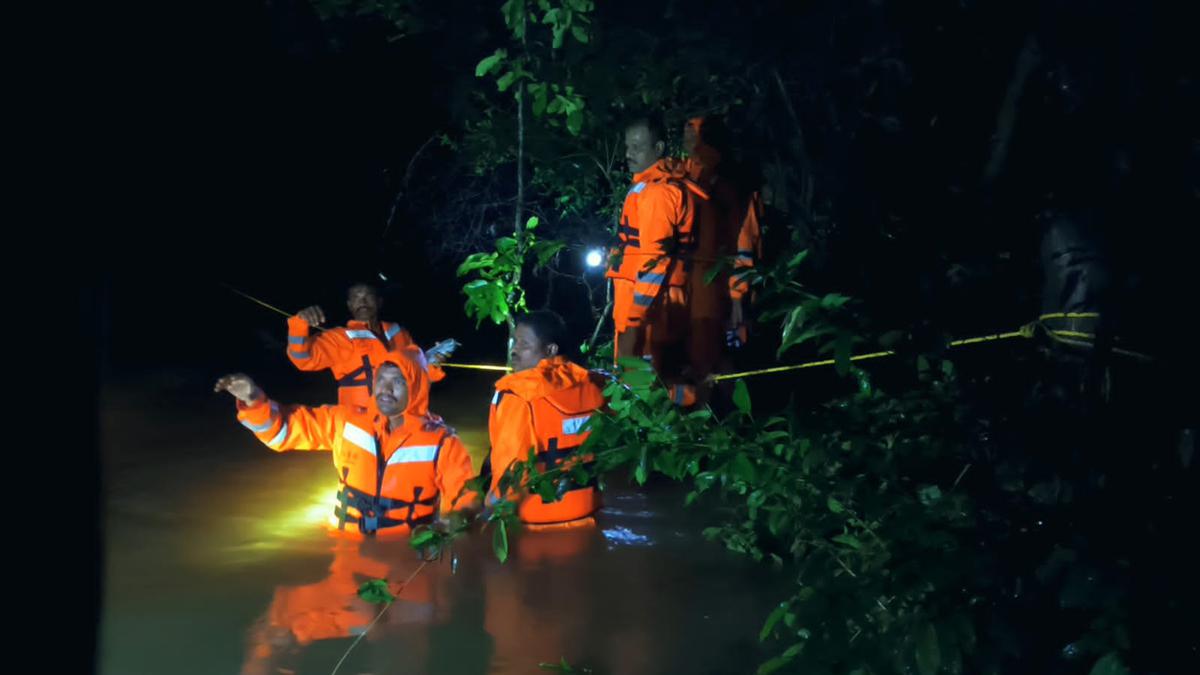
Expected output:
{"points": [[666, 169], [547, 377], [411, 361]]}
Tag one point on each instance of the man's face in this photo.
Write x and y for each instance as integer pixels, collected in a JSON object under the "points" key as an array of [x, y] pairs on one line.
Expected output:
{"points": [[527, 349], [391, 390], [641, 150], [363, 303]]}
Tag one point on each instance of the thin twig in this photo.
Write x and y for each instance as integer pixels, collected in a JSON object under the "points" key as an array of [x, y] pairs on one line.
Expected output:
{"points": [[377, 617], [960, 475]]}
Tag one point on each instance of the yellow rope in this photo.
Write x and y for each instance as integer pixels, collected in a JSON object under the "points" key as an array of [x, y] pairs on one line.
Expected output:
{"points": [[475, 366], [1026, 331], [1069, 315], [273, 308]]}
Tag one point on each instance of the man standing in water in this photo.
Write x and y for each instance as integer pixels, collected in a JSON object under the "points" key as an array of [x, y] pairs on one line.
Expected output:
{"points": [[398, 464], [651, 268], [543, 405], [355, 351]]}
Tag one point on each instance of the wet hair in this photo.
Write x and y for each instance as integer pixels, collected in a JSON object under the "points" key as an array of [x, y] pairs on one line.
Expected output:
{"points": [[653, 123], [547, 326]]}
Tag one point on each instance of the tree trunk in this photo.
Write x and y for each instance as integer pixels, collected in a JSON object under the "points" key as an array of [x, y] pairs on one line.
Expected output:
{"points": [[1006, 119]]}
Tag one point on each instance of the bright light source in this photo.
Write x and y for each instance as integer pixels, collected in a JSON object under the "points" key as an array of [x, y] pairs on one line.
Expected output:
{"points": [[595, 258]]}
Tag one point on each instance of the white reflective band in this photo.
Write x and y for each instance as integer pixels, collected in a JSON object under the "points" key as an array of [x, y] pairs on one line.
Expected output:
{"points": [[638, 188], [391, 332], [572, 425], [495, 398], [359, 334], [278, 440], [413, 453], [359, 437]]}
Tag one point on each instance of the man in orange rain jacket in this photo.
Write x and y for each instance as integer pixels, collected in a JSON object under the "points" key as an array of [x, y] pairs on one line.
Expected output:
{"points": [[729, 227], [542, 405], [353, 352], [398, 465], [650, 314]]}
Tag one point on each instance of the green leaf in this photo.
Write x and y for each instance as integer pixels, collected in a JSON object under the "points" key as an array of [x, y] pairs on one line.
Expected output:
{"points": [[580, 33], [1109, 664], [506, 80], [500, 541], [741, 396], [834, 505], [490, 63], [772, 619], [575, 122], [638, 379], [891, 338], [929, 494], [532, 223], [741, 468], [375, 592], [539, 101], [422, 538], [929, 654], [781, 660], [848, 540], [797, 259], [922, 364], [794, 320], [834, 300]]}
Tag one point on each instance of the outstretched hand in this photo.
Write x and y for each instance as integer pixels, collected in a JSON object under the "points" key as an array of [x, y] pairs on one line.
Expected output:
{"points": [[240, 386], [314, 316]]}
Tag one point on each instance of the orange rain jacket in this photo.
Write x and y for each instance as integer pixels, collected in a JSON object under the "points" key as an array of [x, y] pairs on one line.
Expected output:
{"points": [[352, 353], [735, 223], [392, 478], [655, 252], [544, 408], [749, 246]]}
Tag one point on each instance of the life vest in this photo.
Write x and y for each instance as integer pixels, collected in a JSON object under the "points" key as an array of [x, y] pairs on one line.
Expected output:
{"points": [[355, 379], [386, 489], [352, 353], [641, 242], [556, 417]]}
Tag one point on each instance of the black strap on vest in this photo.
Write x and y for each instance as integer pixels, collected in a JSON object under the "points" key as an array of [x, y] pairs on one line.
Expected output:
{"points": [[352, 378], [373, 510]]}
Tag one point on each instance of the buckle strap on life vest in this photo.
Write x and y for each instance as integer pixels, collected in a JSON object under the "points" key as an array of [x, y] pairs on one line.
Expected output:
{"points": [[552, 456], [373, 510]]}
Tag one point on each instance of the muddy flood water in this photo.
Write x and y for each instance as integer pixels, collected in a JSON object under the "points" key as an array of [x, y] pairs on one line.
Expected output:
{"points": [[217, 561]]}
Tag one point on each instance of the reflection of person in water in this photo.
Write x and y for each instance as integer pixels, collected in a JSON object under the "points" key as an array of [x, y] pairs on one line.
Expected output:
{"points": [[539, 604], [330, 609], [435, 626]]}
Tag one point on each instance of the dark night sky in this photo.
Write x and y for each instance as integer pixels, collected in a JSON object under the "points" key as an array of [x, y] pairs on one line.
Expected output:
{"points": [[260, 158], [267, 160]]}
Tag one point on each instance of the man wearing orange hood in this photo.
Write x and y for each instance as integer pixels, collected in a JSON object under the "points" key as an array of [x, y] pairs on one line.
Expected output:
{"points": [[543, 405], [651, 267], [354, 351], [398, 464], [729, 227]]}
